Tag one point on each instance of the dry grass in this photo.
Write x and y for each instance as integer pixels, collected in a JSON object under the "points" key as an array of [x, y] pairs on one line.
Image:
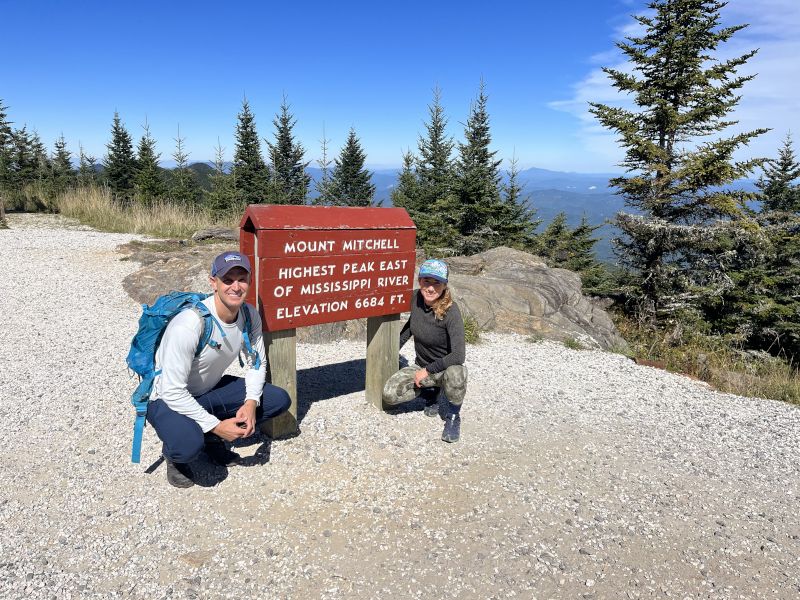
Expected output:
{"points": [[94, 206], [713, 360]]}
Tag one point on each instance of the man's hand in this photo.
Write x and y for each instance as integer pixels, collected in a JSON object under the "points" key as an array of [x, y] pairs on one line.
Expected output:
{"points": [[419, 376], [247, 415], [229, 429]]}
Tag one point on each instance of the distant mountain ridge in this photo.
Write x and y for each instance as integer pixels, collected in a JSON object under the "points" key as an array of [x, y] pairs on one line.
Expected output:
{"points": [[548, 192]]}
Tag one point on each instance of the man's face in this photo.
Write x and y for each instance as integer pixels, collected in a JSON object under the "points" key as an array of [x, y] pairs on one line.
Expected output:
{"points": [[232, 287]]}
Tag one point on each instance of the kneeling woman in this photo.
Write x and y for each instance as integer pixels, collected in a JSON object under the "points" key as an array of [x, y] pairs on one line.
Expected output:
{"points": [[438, 331]]}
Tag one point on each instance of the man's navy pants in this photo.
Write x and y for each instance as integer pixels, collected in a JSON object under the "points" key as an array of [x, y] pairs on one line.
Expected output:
{"points": [[182, 437]]}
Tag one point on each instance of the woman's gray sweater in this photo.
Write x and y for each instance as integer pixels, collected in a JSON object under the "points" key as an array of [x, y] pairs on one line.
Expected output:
{"points": [[438, 343]]}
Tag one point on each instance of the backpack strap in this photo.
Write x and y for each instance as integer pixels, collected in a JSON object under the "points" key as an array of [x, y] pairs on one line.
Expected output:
{"points": [[140, 400], [208, 328], [249, 350]]}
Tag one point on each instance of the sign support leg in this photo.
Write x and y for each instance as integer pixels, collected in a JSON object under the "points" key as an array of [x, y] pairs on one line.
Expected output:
{"points": [[281, 347], [383, 333]]}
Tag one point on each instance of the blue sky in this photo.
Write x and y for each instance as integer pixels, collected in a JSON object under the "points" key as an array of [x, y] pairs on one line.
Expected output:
{"points": [[68, 66]]}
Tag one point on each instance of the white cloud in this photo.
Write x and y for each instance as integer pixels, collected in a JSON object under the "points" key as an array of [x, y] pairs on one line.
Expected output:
{"points": [[771, 100]]}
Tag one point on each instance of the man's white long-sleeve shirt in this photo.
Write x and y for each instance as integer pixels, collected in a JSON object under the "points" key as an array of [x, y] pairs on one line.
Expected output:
{"points": [[184, 376]]}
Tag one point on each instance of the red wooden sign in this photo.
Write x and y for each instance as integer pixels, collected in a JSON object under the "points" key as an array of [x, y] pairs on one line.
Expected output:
{"points": [[323, 264]]}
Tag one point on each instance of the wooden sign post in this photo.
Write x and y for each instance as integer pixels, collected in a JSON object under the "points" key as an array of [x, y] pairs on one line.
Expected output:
{"points": [[319, 264]]}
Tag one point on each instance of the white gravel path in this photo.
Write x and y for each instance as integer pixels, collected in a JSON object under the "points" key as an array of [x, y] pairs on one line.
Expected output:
{"points": [[579, 474]]}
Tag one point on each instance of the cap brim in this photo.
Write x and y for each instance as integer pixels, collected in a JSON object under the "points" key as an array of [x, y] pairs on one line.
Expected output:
{"points": [[224, 271], [432, 276]]}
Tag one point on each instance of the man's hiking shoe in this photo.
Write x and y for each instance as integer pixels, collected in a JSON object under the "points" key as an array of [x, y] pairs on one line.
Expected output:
{"points": [[452, 428], [220, 455], [179, 474]]}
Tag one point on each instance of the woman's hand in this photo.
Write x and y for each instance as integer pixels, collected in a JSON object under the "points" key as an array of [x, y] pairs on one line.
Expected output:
{"points": [[419, 376]]}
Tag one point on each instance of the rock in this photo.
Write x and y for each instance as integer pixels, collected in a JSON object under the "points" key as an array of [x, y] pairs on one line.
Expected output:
{"points": [[217, 233], [477, 263], [169, 265], [512, 291]]}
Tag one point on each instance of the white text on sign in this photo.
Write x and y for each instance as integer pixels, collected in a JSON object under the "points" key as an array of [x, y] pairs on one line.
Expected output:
{"points": [[317, 308], [360, 245], [371, 266]]}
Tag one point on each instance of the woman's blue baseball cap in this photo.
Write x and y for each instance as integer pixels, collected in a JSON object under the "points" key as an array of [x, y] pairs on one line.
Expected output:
{"points": [[435, 269]]}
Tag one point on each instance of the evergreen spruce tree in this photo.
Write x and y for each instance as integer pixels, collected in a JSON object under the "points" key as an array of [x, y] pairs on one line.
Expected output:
{"points": [[595, 277], [477, 186], [516, 224], [183, 185], [87, 172], [406, 193], [432, 206], [775, 184], [351, 183], [435, 165], [222, 199], [21, 168], [63, 172], [44, 168], [6, 132], [778, 311], [573, 249], [763, 309], [251, 175], [6, 148], [323, 186], [119, 163], [678, 244], [289, 178], [6, 163], [554, 242], [581, 247], [32, 172], [148, 181], [27, 171], [24, 163]]}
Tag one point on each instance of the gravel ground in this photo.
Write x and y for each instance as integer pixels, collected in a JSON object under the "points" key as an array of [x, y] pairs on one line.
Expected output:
{"points": [[579, 474]]}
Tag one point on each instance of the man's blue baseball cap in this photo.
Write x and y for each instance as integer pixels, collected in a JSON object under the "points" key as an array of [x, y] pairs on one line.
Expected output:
{"points": [[228, 260]]}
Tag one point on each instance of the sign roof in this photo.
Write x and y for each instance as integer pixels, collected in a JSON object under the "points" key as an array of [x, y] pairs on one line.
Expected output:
{"points": [[271, 216]]}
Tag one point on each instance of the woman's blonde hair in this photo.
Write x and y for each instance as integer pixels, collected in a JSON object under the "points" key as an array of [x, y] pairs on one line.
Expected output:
{"points": [[441, 305]]}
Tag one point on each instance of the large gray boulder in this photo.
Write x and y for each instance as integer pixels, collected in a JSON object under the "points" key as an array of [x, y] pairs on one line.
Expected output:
{"points": [[502, 289], [513, 291], [169, 265]]}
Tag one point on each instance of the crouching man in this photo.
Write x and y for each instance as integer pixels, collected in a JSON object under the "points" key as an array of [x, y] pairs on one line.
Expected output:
{"points": [[194, 406]]}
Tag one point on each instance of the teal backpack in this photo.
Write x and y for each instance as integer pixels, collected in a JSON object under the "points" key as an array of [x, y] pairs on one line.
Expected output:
{"points": [[142, 354]]}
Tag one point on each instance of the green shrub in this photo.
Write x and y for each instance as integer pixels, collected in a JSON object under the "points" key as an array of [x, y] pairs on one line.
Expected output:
{"points": [[573, 344], [472, 331]]}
